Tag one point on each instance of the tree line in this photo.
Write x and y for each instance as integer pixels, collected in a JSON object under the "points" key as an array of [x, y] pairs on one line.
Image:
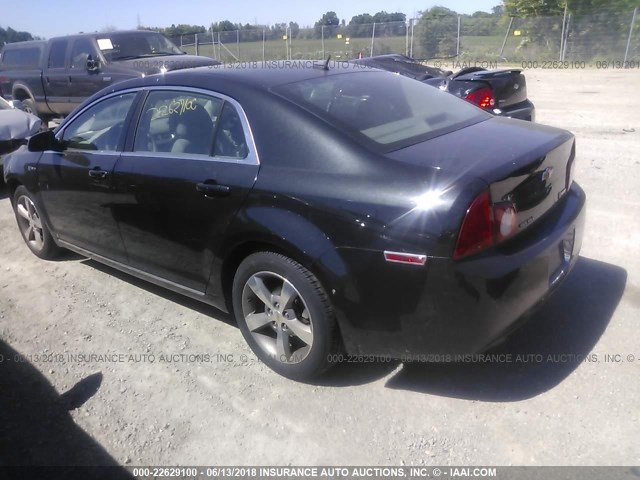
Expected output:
{"points": [[10, 35], [327, 25]]}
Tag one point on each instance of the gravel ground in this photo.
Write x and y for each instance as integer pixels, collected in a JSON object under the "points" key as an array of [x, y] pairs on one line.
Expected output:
{"points": [[173, 383]]}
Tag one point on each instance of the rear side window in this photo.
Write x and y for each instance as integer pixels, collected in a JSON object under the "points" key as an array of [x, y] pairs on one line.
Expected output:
{"points": [[384, 110], [230, 141], [21, 58], [185, 122], [57, 54], [178, 122]]}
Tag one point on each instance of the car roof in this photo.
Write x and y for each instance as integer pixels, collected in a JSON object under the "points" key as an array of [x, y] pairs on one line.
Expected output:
{"points": [[254, 75], [103, 34]]}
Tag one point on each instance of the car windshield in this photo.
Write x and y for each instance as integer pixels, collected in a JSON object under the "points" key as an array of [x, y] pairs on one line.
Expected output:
{"points": [[123, 46], [386, 110]]}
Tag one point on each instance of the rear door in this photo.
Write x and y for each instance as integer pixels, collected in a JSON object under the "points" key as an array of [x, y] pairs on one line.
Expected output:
{"points": [[56, 77], [76, 184], [189, 168]]}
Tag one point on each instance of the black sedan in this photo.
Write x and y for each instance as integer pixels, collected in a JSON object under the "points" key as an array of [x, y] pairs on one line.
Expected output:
{"points": [[501, 92], [331, 209]]}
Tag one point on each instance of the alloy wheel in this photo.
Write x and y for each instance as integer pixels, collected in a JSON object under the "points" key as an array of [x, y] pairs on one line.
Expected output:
{"points": [[30, 223], [277, 317]]}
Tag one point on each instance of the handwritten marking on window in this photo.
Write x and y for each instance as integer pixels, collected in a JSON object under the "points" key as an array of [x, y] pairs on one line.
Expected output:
{"points": [[175, 107]]}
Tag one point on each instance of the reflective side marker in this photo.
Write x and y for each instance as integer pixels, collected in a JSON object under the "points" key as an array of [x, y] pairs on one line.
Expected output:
{"points": [[406, 258]]}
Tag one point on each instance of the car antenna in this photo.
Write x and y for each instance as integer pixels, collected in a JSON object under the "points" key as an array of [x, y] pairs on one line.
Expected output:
{"points": [[325, 65]]}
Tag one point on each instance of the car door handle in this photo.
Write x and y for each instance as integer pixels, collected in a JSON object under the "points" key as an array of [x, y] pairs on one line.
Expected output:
{"points": [[213, 190], [98, 174]]}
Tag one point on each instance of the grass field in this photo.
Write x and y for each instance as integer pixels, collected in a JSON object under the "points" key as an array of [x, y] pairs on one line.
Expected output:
{"points": [[299, 49], [473, 49]]}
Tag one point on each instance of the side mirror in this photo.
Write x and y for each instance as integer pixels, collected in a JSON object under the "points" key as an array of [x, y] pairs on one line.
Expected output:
{"points": [[43, 141], [93, 66]]}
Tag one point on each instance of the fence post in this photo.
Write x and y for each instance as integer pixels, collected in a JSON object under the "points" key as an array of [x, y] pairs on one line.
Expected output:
{"points": [[264, 39], [196, 44], [238, 43], [566, 38], [286, 43], [458, 43], [506, 36], [406, 39], [633, 21], [373, 37], [213, 42], [181, 43], [413, 25], [564, 25], [322, 29]]}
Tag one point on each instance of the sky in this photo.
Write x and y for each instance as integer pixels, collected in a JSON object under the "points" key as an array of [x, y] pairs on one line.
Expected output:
{"points": [[45, 18]]}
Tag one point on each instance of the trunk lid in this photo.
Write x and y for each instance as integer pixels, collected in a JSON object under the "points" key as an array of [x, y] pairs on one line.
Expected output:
{"points": [[509, 86], [523, 164]]}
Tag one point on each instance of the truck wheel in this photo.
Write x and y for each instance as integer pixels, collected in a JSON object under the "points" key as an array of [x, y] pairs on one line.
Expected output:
{"points": [[29, 106]]}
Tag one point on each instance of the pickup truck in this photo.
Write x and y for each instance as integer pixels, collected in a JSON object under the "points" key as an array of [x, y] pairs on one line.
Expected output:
{"points": [[50, 78]]}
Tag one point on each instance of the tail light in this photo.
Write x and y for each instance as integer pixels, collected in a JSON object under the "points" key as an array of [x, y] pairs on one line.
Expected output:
{"points": [[485, 225], [483, 97]]}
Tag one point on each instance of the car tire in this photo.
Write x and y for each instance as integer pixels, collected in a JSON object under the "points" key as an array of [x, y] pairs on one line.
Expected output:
{"points": [[34, 231], [294, 333]]}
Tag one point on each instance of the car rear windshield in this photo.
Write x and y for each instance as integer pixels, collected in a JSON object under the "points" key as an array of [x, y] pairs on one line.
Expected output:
{"points": [[387, 111]]}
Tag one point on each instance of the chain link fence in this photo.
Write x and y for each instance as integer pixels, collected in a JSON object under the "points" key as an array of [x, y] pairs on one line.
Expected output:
{"points": [[601, 36]]}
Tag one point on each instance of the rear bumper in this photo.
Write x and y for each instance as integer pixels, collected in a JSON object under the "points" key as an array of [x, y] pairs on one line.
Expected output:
{"points": [[522, 111], [448, 307]]}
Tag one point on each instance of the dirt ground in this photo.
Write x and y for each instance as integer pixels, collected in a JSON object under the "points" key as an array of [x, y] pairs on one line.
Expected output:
{"points": [[171, 381]]}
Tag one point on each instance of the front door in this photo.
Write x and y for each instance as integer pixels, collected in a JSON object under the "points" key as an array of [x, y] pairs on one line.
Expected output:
{"points": [[76, 184], [86, 75]]}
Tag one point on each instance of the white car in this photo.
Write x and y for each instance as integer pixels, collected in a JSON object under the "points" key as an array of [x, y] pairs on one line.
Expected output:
{"points": [[15, 127]]}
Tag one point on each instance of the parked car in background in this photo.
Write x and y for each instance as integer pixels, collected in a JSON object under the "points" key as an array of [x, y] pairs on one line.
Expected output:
{"points": [[51, 78], [500, 92], [328, 208], [16, 127]]}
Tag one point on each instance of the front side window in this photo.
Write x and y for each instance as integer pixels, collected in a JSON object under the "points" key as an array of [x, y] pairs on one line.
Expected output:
{"points": [[101, 126], [82, 51]]}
